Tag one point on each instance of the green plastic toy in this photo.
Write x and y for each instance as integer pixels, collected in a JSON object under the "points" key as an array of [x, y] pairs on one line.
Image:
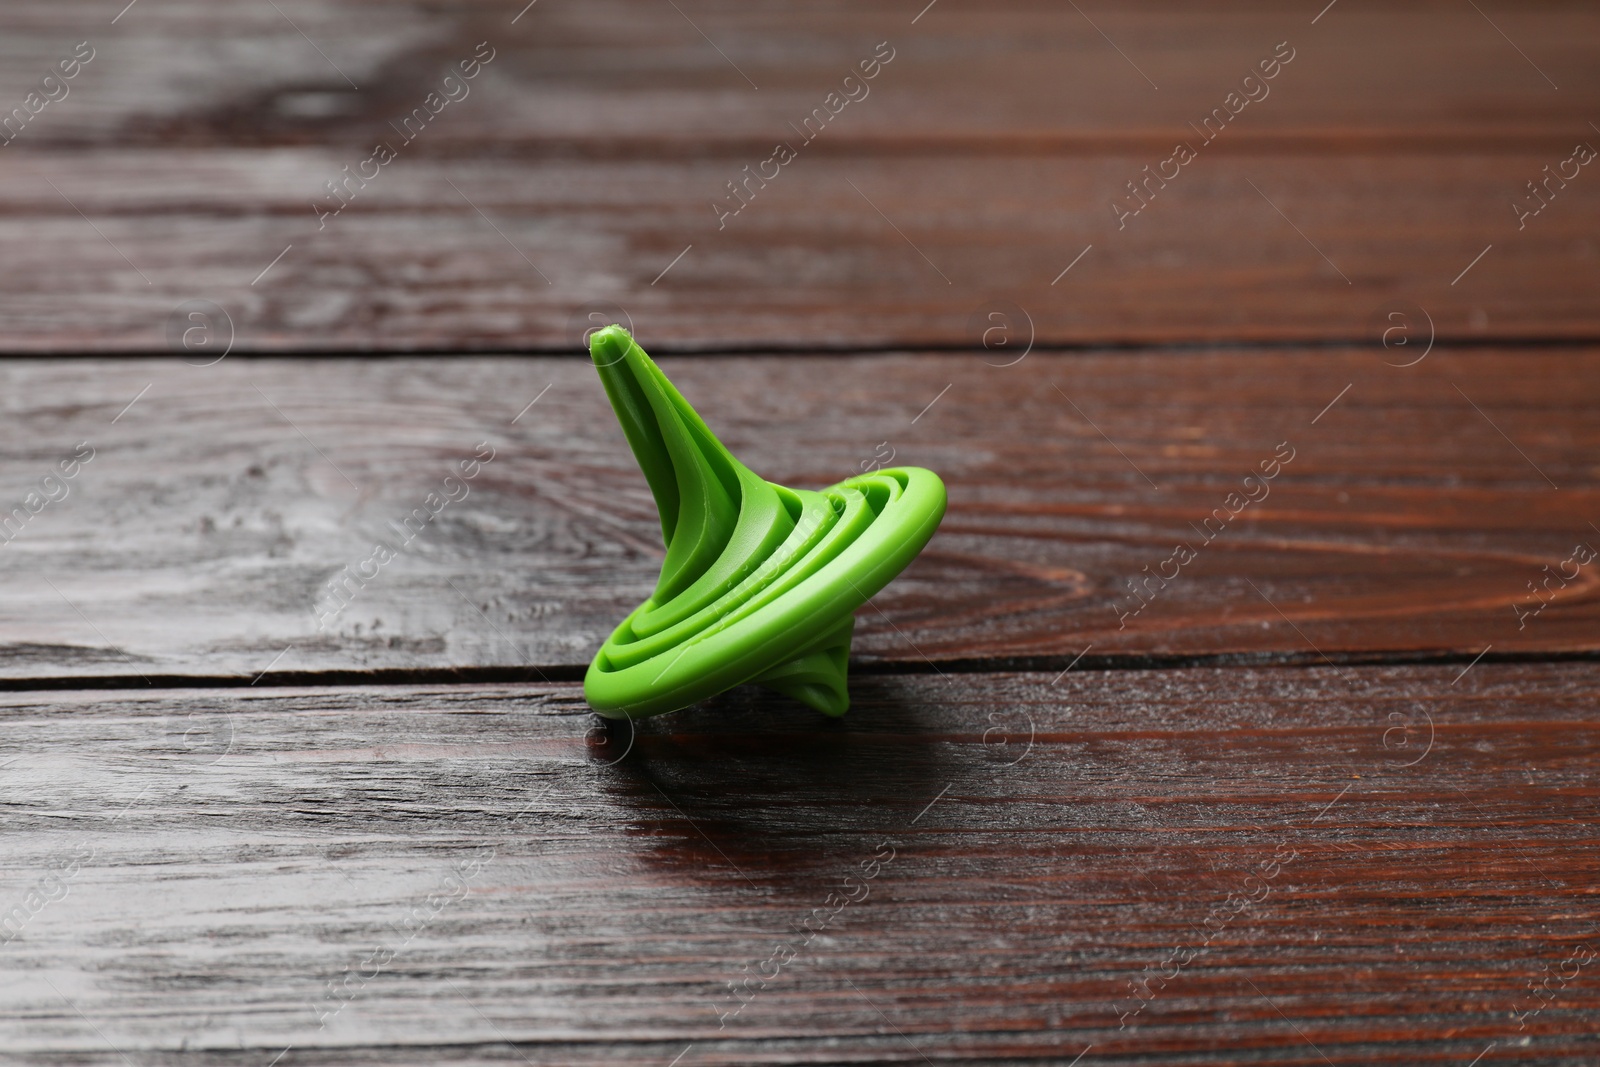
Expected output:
{"points": [[760, 582]]}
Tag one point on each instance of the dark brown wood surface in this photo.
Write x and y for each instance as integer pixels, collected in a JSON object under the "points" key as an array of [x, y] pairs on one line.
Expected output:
{"points": [[596, 74], [412, 266], [1411, 520], [982, 161], [1325, 796], [1387, 858]]}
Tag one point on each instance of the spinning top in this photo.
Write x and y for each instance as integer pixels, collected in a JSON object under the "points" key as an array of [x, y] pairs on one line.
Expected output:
{"points": [[760, 582]]}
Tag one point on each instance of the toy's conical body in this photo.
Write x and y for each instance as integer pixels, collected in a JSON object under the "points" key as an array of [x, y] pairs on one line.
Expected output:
{"points": [[760, 582]]}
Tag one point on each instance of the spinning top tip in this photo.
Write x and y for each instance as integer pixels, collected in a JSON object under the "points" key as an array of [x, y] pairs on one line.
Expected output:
{"points": [[609, 344]]}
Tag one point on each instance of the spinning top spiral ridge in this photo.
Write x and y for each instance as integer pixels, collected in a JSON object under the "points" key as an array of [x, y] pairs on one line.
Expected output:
{"points": [[760, 582]]}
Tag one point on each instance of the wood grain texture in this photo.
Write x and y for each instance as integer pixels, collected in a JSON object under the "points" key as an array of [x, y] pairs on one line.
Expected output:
{"points": [[1419, 506], [842, 253], [597, 76], [1258, 840], [238, 851], [988, 155]]}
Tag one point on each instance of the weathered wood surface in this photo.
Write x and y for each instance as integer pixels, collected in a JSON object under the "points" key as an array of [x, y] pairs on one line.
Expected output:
{"points": [[200, 538], [984, 159], [238, 851]]}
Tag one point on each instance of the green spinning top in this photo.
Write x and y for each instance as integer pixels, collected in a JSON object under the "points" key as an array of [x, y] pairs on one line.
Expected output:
{"points": [[760, 582]]}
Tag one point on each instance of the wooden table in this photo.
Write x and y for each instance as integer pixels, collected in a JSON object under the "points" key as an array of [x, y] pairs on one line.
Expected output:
{"points": [[1319, 789]]}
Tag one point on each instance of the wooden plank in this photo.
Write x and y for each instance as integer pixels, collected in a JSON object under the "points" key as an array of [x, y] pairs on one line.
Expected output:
{"points": [[885, 250], [1364, 866], [590, 152], [607, 75], [1431, 510]]}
